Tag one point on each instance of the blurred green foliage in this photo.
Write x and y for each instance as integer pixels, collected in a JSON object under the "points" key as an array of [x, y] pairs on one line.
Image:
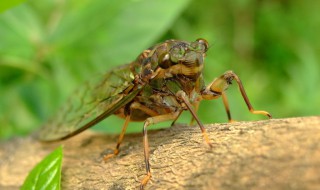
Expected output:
{"points": [[8, 4], [48, 47]]}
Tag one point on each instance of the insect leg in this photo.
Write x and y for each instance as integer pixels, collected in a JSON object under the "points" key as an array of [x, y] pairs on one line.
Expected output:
{"points": [[149, 121], [143, 108], [218, 87], [196, 107], [182, 95], [174, 121], [134, 105], [116, 150], [226, 106]]}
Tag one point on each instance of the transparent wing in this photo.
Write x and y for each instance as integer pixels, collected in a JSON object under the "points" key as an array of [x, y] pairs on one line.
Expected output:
{"points": [[94, 101]]}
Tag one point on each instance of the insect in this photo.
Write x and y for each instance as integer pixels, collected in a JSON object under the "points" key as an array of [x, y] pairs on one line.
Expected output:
{"points": [[158, 86]]}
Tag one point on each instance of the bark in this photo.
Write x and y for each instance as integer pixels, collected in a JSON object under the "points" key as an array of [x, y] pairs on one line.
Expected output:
{"points": [[268, 154]]}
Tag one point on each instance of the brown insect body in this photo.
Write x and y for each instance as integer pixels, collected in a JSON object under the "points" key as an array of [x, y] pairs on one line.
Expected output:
{"points": [[162, 82], [166, 78]]}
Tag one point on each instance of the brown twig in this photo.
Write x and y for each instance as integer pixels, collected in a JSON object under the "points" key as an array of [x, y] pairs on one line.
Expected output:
{"points": [[268, 154]]}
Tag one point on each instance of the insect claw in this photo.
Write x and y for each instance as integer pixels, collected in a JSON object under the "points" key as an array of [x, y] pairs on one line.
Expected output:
{"points": [[210, 145], [269, 115], [145, 180], [108, 156]]}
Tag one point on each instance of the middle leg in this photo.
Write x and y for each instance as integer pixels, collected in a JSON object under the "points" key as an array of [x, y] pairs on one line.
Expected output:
{"points": [[120, 139], [149, 121]]}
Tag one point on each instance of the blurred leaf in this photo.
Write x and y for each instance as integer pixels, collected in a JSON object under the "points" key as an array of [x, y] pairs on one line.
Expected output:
{"points": [[5, 5], [46, 174]]}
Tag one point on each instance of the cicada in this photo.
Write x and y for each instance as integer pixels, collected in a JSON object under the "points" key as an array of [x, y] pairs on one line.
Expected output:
{"points": [[158, 86]]}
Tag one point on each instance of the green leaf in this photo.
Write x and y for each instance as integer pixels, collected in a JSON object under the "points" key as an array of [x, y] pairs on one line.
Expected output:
{"points": [[4, 5], [46, 174]]}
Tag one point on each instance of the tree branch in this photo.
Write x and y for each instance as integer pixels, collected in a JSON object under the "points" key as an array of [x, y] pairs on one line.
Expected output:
{"points": [[268, 154]]}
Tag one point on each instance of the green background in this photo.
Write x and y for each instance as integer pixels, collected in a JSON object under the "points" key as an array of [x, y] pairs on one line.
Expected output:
{"points": [[49, 47]]}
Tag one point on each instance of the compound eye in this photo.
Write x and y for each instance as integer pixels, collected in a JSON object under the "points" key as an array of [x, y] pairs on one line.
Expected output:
{"points": [[177, 53], [203, 44]]}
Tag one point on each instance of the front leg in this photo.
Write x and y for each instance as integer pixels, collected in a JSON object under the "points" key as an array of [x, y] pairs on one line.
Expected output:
{"points": [[218, 87]]}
